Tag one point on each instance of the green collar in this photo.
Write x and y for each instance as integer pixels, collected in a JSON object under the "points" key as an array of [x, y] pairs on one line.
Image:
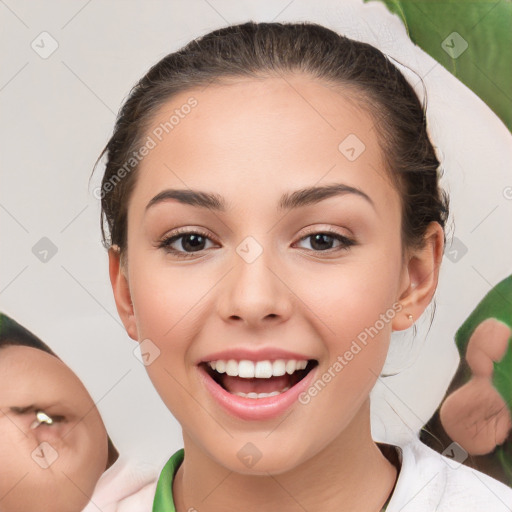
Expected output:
{"points": [[164, 501]]}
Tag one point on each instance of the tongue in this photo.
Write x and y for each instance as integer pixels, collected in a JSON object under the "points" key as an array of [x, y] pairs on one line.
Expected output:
{"points": [[239, 385]]}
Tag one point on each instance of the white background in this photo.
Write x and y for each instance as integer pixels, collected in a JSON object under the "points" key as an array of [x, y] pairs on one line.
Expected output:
{"points": [[58, 113]]}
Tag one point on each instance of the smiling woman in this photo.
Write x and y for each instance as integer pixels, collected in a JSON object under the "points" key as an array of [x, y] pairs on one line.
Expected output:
{"points": [[288, 212]]}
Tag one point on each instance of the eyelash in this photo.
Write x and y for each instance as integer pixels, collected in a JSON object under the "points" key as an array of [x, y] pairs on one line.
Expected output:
{"points": [[165, 243]]}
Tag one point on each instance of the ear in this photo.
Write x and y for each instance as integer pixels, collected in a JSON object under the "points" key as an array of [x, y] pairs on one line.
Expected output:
{"points": [[121, 289], [420, 277]]}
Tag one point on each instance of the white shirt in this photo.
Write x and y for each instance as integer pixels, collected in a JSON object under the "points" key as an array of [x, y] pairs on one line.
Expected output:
{"points": [[429, 481], [127, 486]]}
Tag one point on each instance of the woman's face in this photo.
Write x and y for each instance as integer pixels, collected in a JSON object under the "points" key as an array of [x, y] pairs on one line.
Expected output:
{"points": [[52, 467], [259, 285]]}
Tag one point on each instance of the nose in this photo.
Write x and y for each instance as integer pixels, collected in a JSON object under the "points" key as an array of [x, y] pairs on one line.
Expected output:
{"points": [[256, 293]]}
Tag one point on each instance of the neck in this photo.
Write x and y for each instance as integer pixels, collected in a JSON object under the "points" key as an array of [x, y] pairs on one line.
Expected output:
{"points": [[350, 473]]}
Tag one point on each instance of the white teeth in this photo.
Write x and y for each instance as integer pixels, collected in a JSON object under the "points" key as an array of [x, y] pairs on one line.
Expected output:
{"points": [[290, 366], [232, 368], [301, 365], [261, 369], [261, 395], [279, 367], [246, 369]]}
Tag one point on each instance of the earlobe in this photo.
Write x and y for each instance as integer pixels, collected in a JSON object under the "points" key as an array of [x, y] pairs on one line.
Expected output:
{"points": [[420, 278], [121, 290]]}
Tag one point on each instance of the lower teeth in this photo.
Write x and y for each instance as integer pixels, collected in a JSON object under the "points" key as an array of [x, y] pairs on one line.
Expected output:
{"points": [[260, 395]]}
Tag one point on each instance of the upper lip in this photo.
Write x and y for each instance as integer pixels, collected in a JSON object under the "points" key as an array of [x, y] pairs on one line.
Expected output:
{"points": [[239, 354]]}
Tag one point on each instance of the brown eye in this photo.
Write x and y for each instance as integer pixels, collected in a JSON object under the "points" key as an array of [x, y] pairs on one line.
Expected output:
{"points": [[189, 242], [324, 240]]}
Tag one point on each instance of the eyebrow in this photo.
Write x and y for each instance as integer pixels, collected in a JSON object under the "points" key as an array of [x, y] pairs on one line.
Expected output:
{"points": [[290, 200]]}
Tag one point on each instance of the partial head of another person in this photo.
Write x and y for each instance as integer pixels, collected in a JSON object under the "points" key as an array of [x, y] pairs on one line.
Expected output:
{"points": [[52, 465]]}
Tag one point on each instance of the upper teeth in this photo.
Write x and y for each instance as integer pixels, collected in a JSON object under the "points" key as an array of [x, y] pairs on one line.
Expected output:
{"points": [[260, 370]]}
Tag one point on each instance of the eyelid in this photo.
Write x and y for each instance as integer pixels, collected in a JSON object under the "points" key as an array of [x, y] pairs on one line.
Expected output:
{"points": [[327, 230], [184, 231], [199, 231]]}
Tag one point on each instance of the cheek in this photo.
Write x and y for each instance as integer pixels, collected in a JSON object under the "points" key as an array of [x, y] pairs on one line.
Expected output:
{"points": [[167, 302], [353, 295], [14, 462], [160, 294], [86, 452], [351, 306], [168, 299]]}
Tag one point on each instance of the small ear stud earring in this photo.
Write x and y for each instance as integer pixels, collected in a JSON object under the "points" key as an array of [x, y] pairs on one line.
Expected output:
{"points": [[409, 317]]}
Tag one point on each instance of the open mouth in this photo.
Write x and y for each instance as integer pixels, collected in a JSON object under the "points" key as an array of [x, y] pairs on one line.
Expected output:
{"points": [[260, 379]]}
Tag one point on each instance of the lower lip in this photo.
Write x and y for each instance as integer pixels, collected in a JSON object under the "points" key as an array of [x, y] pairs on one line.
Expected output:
{"points": [[256, 409]]}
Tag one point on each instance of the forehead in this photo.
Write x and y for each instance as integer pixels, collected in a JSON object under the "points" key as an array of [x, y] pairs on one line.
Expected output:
{"points": [[24, 370], [21, 355], [254, 136]]}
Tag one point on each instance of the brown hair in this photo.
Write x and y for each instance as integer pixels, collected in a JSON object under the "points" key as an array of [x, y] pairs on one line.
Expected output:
{"points": [[259, 50]]}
